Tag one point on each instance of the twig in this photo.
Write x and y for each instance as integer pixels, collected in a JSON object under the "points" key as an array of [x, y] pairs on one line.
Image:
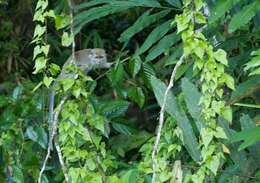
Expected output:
{"points": [[62, 164], [161, 118], [53, 133]]}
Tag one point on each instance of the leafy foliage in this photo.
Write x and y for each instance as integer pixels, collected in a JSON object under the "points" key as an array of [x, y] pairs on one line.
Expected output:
{"points": [[107, 126]]}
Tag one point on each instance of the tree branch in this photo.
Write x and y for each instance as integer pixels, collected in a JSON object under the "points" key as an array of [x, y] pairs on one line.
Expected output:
{"points": [[161, 118], [53, 133], [62, 164]]}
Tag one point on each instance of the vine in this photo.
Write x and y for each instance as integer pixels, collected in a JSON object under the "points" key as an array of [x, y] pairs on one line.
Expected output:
{"points": [[41, 49], [211, 65]]}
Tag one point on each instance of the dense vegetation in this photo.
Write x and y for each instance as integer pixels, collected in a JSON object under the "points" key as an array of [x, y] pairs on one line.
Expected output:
{"points": [[179, 104]]}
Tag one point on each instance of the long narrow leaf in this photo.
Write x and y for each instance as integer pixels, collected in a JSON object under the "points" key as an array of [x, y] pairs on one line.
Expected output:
{"points": [[247, 123], [95, 13], [163, 44], [143, 21], [154, 36], [220, 9], [245, 88], [238, 157], [143, 3], [192, 97], [244, 16], [175, 3], [189, 138], [91, 3]]}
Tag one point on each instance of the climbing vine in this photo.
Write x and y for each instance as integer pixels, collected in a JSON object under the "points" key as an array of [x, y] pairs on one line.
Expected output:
{"points": [[210, 65]]}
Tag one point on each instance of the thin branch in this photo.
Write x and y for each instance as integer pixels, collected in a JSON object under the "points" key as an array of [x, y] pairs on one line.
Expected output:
{"points": [[161, 118], [53, 133], [62, 164]]}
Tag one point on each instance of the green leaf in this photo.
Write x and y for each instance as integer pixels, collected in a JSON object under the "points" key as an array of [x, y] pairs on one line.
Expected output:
{"points": [[148, 71], [38, 135], [123, 128], [67, 83], [90, 164], [244, 88], [220, 133], [182, 70], [98, 122], [255, 72], [45, 49], [239, 157], [50, 14], [62, 21], [249, 136], [66, 39], [97, 12], [47, 81], [165, 43], [176, 3], [192, 97], [247, 123], [189, 138], [41, 5], [76, 92], [182, 21], [143, 3], [154, 36], [54, 69], [17, 175], [175, 53], [135, 65], [4, 100], [36, 51], [227, 113], [206, 136], [117, 74], [40, 64], [136, 94], [221, 56], [113, 109], [143, 21], [229, 80], [243, 16], [17, 93], [90, 4], [255, 62], [200, 18], [128, 142], [214, 164], [39, 31], [130, 176], [221, 7]]}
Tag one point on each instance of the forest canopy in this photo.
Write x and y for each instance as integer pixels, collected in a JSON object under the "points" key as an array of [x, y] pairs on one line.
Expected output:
{"points": [[130, 91]]}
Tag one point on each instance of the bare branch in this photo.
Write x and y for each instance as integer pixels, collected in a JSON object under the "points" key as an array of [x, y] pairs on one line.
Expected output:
{"points": [[53, 133], [62, 164], [161, 118]]}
